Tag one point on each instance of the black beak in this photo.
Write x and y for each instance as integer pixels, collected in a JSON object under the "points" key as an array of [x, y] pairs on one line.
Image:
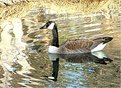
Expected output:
{"points": [[43, 27]]}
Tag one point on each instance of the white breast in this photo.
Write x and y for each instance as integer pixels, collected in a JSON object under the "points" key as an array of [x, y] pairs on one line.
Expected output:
{"points": [[99, 47], [53, 49]]}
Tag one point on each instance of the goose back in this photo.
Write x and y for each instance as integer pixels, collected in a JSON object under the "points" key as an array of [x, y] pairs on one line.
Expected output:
{"points": [[76, 46], [79, 46]]}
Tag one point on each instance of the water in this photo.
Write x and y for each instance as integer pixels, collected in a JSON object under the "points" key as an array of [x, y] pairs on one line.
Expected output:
{"points": [[34, 68]]}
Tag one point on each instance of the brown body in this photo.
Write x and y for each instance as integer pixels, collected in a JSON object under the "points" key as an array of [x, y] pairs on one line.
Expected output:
{"points": [[80, 45]]}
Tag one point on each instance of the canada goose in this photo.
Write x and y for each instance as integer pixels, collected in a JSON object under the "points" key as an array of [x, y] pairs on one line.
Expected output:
{"points": [[76, 45]]}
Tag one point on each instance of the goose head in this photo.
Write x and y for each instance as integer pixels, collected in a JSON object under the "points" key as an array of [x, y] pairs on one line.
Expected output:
{"points": [[49, 25]]}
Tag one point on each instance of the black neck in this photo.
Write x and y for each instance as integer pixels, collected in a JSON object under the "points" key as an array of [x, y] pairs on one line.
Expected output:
{"points": [[55, 40]]}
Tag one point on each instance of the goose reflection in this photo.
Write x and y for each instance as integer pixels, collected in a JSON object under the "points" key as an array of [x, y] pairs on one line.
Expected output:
{"points": [[55, 64], [96, 57]]}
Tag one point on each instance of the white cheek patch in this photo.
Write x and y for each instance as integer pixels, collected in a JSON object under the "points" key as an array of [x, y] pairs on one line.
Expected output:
{"points": [[51, 26]]}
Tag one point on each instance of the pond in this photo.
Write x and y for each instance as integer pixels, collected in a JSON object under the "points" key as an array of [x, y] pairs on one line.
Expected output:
{"points": [[35, 68]]}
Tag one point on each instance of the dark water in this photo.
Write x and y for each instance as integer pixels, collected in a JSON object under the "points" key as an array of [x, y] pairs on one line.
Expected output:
{"points": [[36, 68]]}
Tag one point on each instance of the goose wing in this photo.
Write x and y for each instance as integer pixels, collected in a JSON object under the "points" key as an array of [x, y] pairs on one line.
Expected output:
{"points": [[78, 44]]}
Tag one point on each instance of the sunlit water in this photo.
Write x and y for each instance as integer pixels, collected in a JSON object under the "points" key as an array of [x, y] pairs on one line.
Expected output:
{"points": [[35, 68]]}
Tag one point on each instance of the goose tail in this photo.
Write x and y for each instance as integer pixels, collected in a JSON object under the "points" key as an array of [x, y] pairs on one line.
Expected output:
{"points": [[107, 39], [103, 40], [100, 43]]}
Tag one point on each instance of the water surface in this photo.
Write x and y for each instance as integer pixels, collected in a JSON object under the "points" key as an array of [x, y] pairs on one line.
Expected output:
{"points": [[35, 67]]}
